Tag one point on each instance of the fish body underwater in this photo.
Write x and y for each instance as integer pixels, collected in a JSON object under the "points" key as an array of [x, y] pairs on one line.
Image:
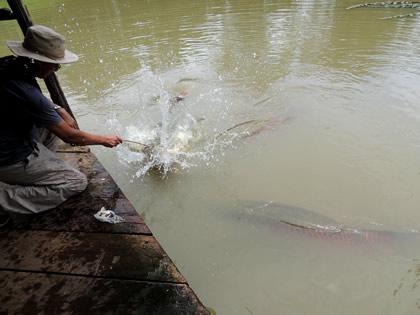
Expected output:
{"points": [[300, 223]]}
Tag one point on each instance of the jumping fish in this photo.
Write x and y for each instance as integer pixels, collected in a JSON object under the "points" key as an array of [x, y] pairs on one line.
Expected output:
{"points": [[169, 150], [150, 143]]}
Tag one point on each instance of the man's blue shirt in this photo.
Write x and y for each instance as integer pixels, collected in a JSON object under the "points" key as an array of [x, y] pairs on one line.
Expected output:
{"points": [[22, 108]]}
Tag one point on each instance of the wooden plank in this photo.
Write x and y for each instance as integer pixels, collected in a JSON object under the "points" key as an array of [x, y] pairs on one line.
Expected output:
{"points": [[28, 293], [76, 215], [57, 94], [65, 147], [21, 14], [136, 257]]}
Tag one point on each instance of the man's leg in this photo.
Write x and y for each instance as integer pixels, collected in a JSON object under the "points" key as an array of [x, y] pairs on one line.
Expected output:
{"points": [[47, 138], [42, 182]]}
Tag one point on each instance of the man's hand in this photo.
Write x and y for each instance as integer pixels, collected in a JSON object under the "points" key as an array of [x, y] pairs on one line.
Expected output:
{"points": [[111, 141]]}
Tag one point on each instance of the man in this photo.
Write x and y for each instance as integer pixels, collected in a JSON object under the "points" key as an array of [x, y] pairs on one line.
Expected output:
{"points": [[37, 179]]}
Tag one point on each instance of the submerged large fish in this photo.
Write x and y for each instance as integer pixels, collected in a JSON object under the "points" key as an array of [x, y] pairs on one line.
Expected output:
{"points": [[305, 224]]}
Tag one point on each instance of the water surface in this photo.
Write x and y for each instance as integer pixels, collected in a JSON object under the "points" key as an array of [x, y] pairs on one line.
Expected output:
{"points": [[339, 92]]}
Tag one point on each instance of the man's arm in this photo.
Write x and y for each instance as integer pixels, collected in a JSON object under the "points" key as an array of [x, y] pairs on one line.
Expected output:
{"points": [[64, 115], [75, 136]]}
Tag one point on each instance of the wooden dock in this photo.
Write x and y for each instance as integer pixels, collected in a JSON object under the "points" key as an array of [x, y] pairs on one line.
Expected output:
{"points": [[64, 261]]}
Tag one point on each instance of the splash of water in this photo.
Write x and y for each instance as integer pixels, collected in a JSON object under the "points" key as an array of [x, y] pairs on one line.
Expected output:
{"points": [[171, 138], [179, 141], [164, 146]]}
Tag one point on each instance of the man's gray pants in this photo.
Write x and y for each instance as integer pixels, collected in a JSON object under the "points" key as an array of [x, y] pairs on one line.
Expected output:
{"points": [[40, 182]]}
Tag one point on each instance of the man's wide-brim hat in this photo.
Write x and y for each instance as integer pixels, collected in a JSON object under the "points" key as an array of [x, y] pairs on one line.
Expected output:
{"points": [[43, 44]]}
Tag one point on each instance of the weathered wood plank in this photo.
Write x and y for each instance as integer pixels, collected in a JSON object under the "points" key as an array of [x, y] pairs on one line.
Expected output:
{"points": [[137, 257], [21, 14], [76, 215], [65, 147], [29, 293]]}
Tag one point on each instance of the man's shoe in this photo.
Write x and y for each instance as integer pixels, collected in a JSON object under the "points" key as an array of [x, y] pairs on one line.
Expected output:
{"points": [[4, 220]]}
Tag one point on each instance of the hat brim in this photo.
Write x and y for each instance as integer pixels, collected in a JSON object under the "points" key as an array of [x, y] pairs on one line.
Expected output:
{"points": [[17, 48]]}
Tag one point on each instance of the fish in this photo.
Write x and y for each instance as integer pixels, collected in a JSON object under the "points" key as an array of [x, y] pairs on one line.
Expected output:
{"points": [[171, 146], [389, 4], [392, 5], [305, 224], [159, 156]]}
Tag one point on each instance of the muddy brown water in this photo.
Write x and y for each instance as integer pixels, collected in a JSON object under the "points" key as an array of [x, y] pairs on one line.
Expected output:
{"points": [[343, 86]]}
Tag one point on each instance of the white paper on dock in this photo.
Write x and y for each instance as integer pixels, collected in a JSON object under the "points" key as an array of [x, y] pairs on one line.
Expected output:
{"points": [[108, 216]]}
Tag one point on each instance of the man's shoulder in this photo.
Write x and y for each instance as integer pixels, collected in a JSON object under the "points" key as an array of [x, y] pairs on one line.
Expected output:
{"points": [[17, 69], [18, 86], [6, 65], [21, 93], [7, 60]]}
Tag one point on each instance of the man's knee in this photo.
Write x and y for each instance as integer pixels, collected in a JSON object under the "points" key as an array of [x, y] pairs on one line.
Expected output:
{"points": [[76, 182], [82, 182]]}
